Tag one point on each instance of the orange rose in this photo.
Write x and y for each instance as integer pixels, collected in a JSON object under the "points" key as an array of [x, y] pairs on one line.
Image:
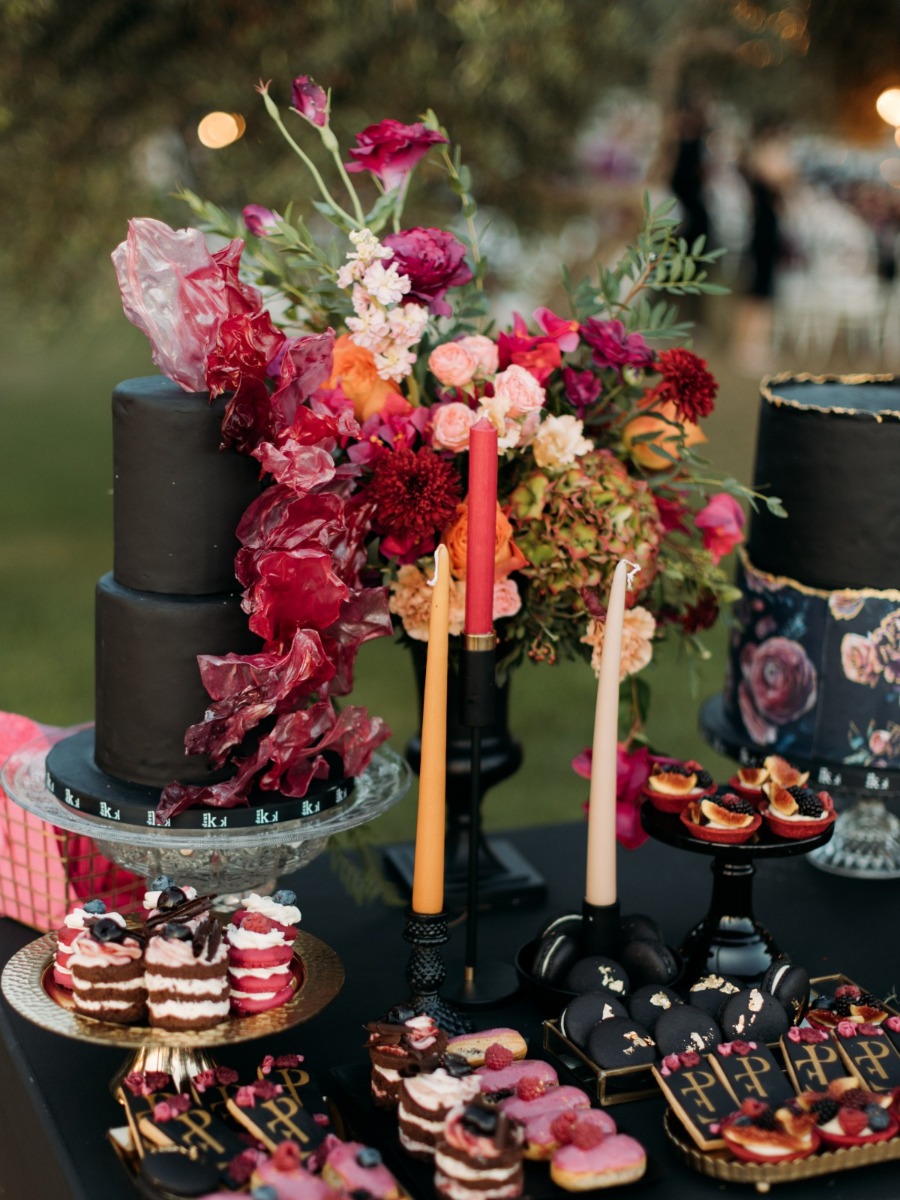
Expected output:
{"points": [[354, 370], [656, 421], [507, 555]]}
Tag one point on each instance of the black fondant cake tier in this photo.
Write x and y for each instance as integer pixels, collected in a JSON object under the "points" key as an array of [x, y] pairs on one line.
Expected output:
{"points": [[148, 688], [178, 497], [829, 448], [73, 776]]}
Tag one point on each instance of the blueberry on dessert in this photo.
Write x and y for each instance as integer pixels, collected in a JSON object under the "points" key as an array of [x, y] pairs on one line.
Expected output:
{"points": [[74, 923], [724, 817], [759, 1133], [797, 811], [671, 786]]}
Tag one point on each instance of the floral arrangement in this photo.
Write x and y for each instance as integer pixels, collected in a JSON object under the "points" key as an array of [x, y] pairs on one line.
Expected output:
{"points": [[355, 365]]}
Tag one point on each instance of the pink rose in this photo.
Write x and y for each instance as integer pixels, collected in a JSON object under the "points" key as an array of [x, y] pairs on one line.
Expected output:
{"points": [[859, 658], [780, 679], [452, 364], [434, 261], [520, 391], [722, 524], [452, 423], [507, 600], [390, 150], [484, 351], [879, 742], [310, 101]]}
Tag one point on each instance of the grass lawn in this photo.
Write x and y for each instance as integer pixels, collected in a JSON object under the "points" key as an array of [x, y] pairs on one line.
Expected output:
{"points": [[56, 540]]}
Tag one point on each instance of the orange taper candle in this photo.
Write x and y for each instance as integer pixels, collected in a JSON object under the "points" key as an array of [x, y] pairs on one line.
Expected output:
{"points": [[428, 867]]}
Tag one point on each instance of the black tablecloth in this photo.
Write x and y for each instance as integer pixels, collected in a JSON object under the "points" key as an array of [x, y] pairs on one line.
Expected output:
{"points": [[56, 1106]]}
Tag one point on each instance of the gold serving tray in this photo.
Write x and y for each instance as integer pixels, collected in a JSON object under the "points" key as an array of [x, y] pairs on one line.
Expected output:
{"points": [[718, 1164], [27, 983], [623, 1084]]}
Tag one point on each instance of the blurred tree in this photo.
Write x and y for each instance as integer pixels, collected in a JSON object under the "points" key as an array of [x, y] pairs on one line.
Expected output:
{"points": [[99, 102]]}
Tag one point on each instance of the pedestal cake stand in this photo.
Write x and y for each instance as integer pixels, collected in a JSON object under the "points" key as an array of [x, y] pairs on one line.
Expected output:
{"points": [[211, 860], [27, 983], [866, 841], [729, 940]]}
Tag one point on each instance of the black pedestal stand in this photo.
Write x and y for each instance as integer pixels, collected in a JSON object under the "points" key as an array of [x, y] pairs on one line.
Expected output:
{"points": [[729, 940]]}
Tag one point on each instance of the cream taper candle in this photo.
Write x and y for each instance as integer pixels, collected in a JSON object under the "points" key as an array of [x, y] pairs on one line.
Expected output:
{"points": [[428, 865], [600, 882]]}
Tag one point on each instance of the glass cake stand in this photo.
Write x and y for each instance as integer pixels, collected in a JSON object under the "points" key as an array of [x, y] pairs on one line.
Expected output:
{"points": [[27, 984], [211, 860]]}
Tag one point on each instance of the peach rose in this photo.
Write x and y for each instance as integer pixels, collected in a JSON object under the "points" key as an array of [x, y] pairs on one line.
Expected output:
{"points": [[452, 364], [410, 600], [507, 556], [354, 369], [484, 351], [507, 600], [658, 422], [521, 391], [559, 441], [638, 628], [451, 425], [859, 659]]}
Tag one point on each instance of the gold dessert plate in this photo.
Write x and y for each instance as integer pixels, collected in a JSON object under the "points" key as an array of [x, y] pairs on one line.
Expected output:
{"points": [[27, 983]]}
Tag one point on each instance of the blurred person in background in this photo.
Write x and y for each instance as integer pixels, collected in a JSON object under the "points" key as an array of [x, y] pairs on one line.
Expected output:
{"points": [[770, 174]]}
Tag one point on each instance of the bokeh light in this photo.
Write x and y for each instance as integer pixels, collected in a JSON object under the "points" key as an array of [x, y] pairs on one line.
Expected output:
{"points": [[888, 106], [218, 129]]}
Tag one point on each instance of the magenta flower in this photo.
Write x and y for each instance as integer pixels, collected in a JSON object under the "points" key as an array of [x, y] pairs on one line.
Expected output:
{"points": [[434, 260], [563, 332], [779, 686], [582, 388], [390, 150], [260, 221], [632, 772], [722, 524], [612, 347], [310, 101]]}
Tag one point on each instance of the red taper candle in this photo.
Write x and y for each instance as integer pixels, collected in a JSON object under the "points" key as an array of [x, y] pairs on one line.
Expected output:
{"points": [[482, 528]]}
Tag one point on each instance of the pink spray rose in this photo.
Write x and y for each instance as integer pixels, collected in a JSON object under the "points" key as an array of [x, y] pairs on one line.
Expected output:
{"points": [[310, 101], [484, 351], [391, 149], [452, 422], [780, 680], [722, 524], [434, 261], [520, 391], [452, 364]]}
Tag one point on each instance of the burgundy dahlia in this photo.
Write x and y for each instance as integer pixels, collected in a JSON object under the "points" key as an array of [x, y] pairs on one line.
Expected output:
{"points": [[687, 383], [434, 260], [414, 495]]}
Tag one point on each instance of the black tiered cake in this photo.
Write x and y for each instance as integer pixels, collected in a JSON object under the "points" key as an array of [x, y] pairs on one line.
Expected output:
{"points": [[814, 657], [171, 596]]}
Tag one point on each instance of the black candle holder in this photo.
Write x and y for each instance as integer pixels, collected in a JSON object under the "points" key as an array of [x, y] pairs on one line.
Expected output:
{"points": [[425, 970], [601, 928]]}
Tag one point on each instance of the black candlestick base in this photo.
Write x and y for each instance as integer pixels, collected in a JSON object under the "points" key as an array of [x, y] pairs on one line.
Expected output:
{"points": [[425, 971], [600, 928], [492, 984]]}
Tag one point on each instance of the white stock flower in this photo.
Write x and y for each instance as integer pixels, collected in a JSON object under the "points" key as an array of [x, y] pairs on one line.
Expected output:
{"points": [[385, 283], [559, 441]]}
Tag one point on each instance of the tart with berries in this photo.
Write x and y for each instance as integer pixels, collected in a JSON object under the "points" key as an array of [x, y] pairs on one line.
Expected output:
{"points": [[726, 818], [796, 811], [849, 1115], [750, 781], [849, 1003], [759, 1133], [671, 786]]}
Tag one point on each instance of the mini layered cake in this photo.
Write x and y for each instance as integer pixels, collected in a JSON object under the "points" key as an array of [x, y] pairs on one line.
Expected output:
{"points": [[164, 895], [725, 818], [672, 786], [425, 1101], [74, 924], [260, 953], [760, 1134], [107, 965], [797, 812], [750, 781], [187, 976], [479, 1155], [401, 1043]]}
